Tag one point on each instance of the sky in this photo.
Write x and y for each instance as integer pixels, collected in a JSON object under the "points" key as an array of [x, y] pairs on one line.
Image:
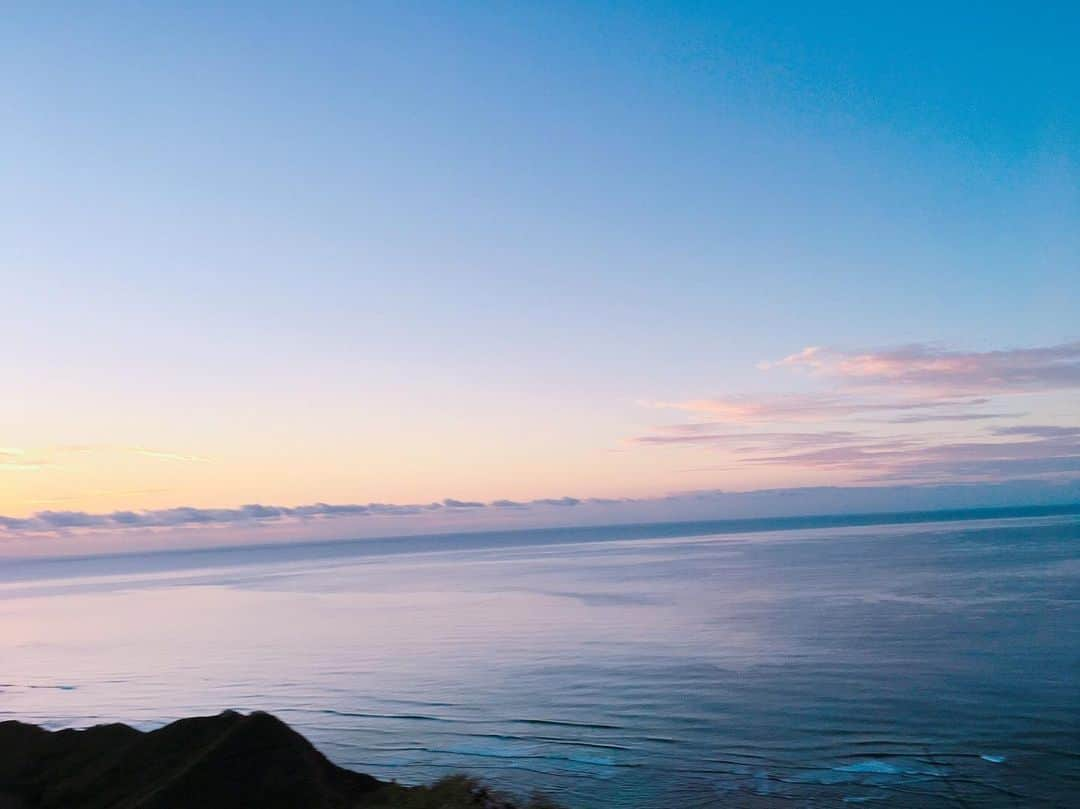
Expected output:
{"points": [[423, 258]]}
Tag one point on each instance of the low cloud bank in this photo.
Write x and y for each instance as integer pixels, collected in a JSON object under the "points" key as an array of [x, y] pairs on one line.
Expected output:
{"points": [[316, 520], [253, 513]]}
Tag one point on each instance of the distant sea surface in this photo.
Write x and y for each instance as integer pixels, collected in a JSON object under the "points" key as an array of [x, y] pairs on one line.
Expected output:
{"points": [[904, 660]]}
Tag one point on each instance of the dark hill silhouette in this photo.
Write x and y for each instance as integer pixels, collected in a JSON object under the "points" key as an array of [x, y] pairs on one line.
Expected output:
{"points": [[228, 761]]}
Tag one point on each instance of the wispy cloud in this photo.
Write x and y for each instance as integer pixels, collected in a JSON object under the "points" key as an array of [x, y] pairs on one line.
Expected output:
{"points": [[702, 435], [934, 370], [168, 456], [982, 471], [13, 459], [801, 407], [1015, 451], [1041, 450], [1040, 431], [110, 493], [929, 418], [20, 460], [916, 411]]}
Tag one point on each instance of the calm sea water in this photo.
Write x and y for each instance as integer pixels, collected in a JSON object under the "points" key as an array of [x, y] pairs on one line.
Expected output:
{"points": [[817, 662]]}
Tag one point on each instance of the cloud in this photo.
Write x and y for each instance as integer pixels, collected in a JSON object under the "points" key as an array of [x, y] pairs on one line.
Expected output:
{"points": [[696, 435], [393, 509], [1040, 431], [53, 521], [1042, 451], [17, 460], [933, 370], [1038, 481], [927, 418], [557, 501], [168, 456], [449, 502], [13, 459], [800, 407], [916, 410], [253, 513], [330, 510], [984, 471]]}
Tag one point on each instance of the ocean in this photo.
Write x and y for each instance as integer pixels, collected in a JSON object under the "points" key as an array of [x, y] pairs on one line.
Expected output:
{"points": [[900, 660]]}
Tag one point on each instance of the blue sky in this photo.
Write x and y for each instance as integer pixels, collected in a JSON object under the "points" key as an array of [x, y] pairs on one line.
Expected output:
{"points": [[368, 249]]}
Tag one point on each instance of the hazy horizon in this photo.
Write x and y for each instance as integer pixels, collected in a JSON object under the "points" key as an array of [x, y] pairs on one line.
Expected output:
{"points": [[66, 534]]}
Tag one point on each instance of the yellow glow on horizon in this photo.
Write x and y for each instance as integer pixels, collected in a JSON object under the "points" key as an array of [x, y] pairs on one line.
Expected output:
{"points": [[108, 478]]}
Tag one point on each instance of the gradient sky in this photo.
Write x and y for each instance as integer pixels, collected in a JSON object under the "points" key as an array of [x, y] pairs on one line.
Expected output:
{"points": [[382, 252]]}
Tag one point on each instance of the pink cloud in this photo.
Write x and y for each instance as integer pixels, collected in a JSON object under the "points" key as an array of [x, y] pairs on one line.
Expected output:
{"points": [[937, 371], [695, 435], [1042, 450], [796, 407], [910, 389]]}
